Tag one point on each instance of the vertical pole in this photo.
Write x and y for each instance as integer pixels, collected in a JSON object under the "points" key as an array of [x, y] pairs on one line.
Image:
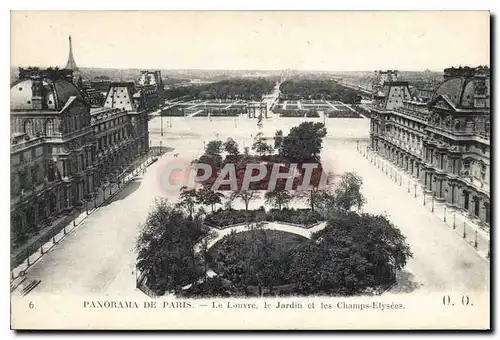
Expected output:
{"points": [[465, 233], [475, 239], [408, 185], [424, 197], [454, 217], [432, 203], [415, 186], [161, 122], [444, 218]]}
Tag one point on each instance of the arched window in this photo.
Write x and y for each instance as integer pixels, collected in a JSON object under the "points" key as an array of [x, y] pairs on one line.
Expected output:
{"points": [[49, 127], [28, 127]]}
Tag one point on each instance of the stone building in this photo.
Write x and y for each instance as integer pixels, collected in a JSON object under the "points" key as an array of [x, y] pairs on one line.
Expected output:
{"points": [[444, 142], [62, 150], [150, 86], [457, 147], [52, 150]]}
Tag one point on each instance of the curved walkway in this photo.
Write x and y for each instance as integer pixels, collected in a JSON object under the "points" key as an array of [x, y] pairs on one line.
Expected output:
{"points": [[265, 225]]}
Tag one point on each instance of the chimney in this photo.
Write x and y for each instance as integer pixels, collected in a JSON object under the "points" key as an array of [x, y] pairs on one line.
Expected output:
{"points": [[37, 95]]}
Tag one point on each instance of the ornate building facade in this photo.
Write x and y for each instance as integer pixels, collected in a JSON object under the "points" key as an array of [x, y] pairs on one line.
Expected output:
{"points": [[444, 142], [62, 150], [65, 148], [52, 152]]}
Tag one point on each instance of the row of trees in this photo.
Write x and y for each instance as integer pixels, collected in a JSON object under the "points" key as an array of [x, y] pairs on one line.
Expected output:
{"points": [[232, 89], [313, 89]]}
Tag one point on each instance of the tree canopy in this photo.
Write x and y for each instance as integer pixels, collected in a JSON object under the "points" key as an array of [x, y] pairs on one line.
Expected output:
{"points": [[304, 142], [166, 248], [353, 253], [315, 89]]}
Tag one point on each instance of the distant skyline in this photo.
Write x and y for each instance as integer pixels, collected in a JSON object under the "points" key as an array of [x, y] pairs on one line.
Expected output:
{"points": [[309, 41]]}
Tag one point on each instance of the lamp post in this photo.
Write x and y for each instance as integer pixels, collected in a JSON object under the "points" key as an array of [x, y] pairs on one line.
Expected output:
{"points": [[408, 185], [161, 124], [454, 218], [432, 209], [475, 239], [400, 179], [424, 196], [465, 233], [415, 186], [160, 147], [444, 218]]}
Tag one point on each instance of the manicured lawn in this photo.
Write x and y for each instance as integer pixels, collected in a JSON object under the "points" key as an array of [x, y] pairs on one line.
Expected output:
{"points": [[285, 242]]}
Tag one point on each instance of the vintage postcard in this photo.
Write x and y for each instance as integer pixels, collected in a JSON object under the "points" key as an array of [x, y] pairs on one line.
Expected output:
{"points": [[188, 170]]}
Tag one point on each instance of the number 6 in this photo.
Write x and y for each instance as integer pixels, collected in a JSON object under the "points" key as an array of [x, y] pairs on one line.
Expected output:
{"points": [[31, 305]]}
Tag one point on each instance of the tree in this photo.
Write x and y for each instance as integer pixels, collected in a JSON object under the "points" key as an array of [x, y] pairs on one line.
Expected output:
{"points": [[278, 198], [229, 200], [353, 253], [246, 196], [260, 146], [188, 199], [214, 147], [231, 147], [278, 139], [165, 248], [204, 250], [304, 142], [348, 192], [209, 197]]}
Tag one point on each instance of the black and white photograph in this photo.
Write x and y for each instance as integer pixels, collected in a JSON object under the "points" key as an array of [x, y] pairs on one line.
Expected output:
{"points": [[250, 170]]}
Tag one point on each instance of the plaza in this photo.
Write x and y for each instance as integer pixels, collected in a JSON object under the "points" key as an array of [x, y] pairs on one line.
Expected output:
{"points": [[99, 256]]}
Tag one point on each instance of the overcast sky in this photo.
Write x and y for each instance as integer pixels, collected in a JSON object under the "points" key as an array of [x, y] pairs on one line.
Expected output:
{"points": [[339, 41]]}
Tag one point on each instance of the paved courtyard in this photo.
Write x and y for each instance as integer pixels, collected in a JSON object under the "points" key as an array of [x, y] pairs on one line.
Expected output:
{"points": [[98, 256]]}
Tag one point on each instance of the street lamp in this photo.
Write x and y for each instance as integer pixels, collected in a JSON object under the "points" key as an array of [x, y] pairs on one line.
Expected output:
{"points": [[424, 196], [415, 186], [161, 123]]}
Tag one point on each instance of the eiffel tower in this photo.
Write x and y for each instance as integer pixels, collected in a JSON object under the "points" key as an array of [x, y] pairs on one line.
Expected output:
{"points": [[71, 64]]}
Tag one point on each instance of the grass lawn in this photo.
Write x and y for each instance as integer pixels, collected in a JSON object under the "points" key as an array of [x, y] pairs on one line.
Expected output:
{"points": [[285, 241]]}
